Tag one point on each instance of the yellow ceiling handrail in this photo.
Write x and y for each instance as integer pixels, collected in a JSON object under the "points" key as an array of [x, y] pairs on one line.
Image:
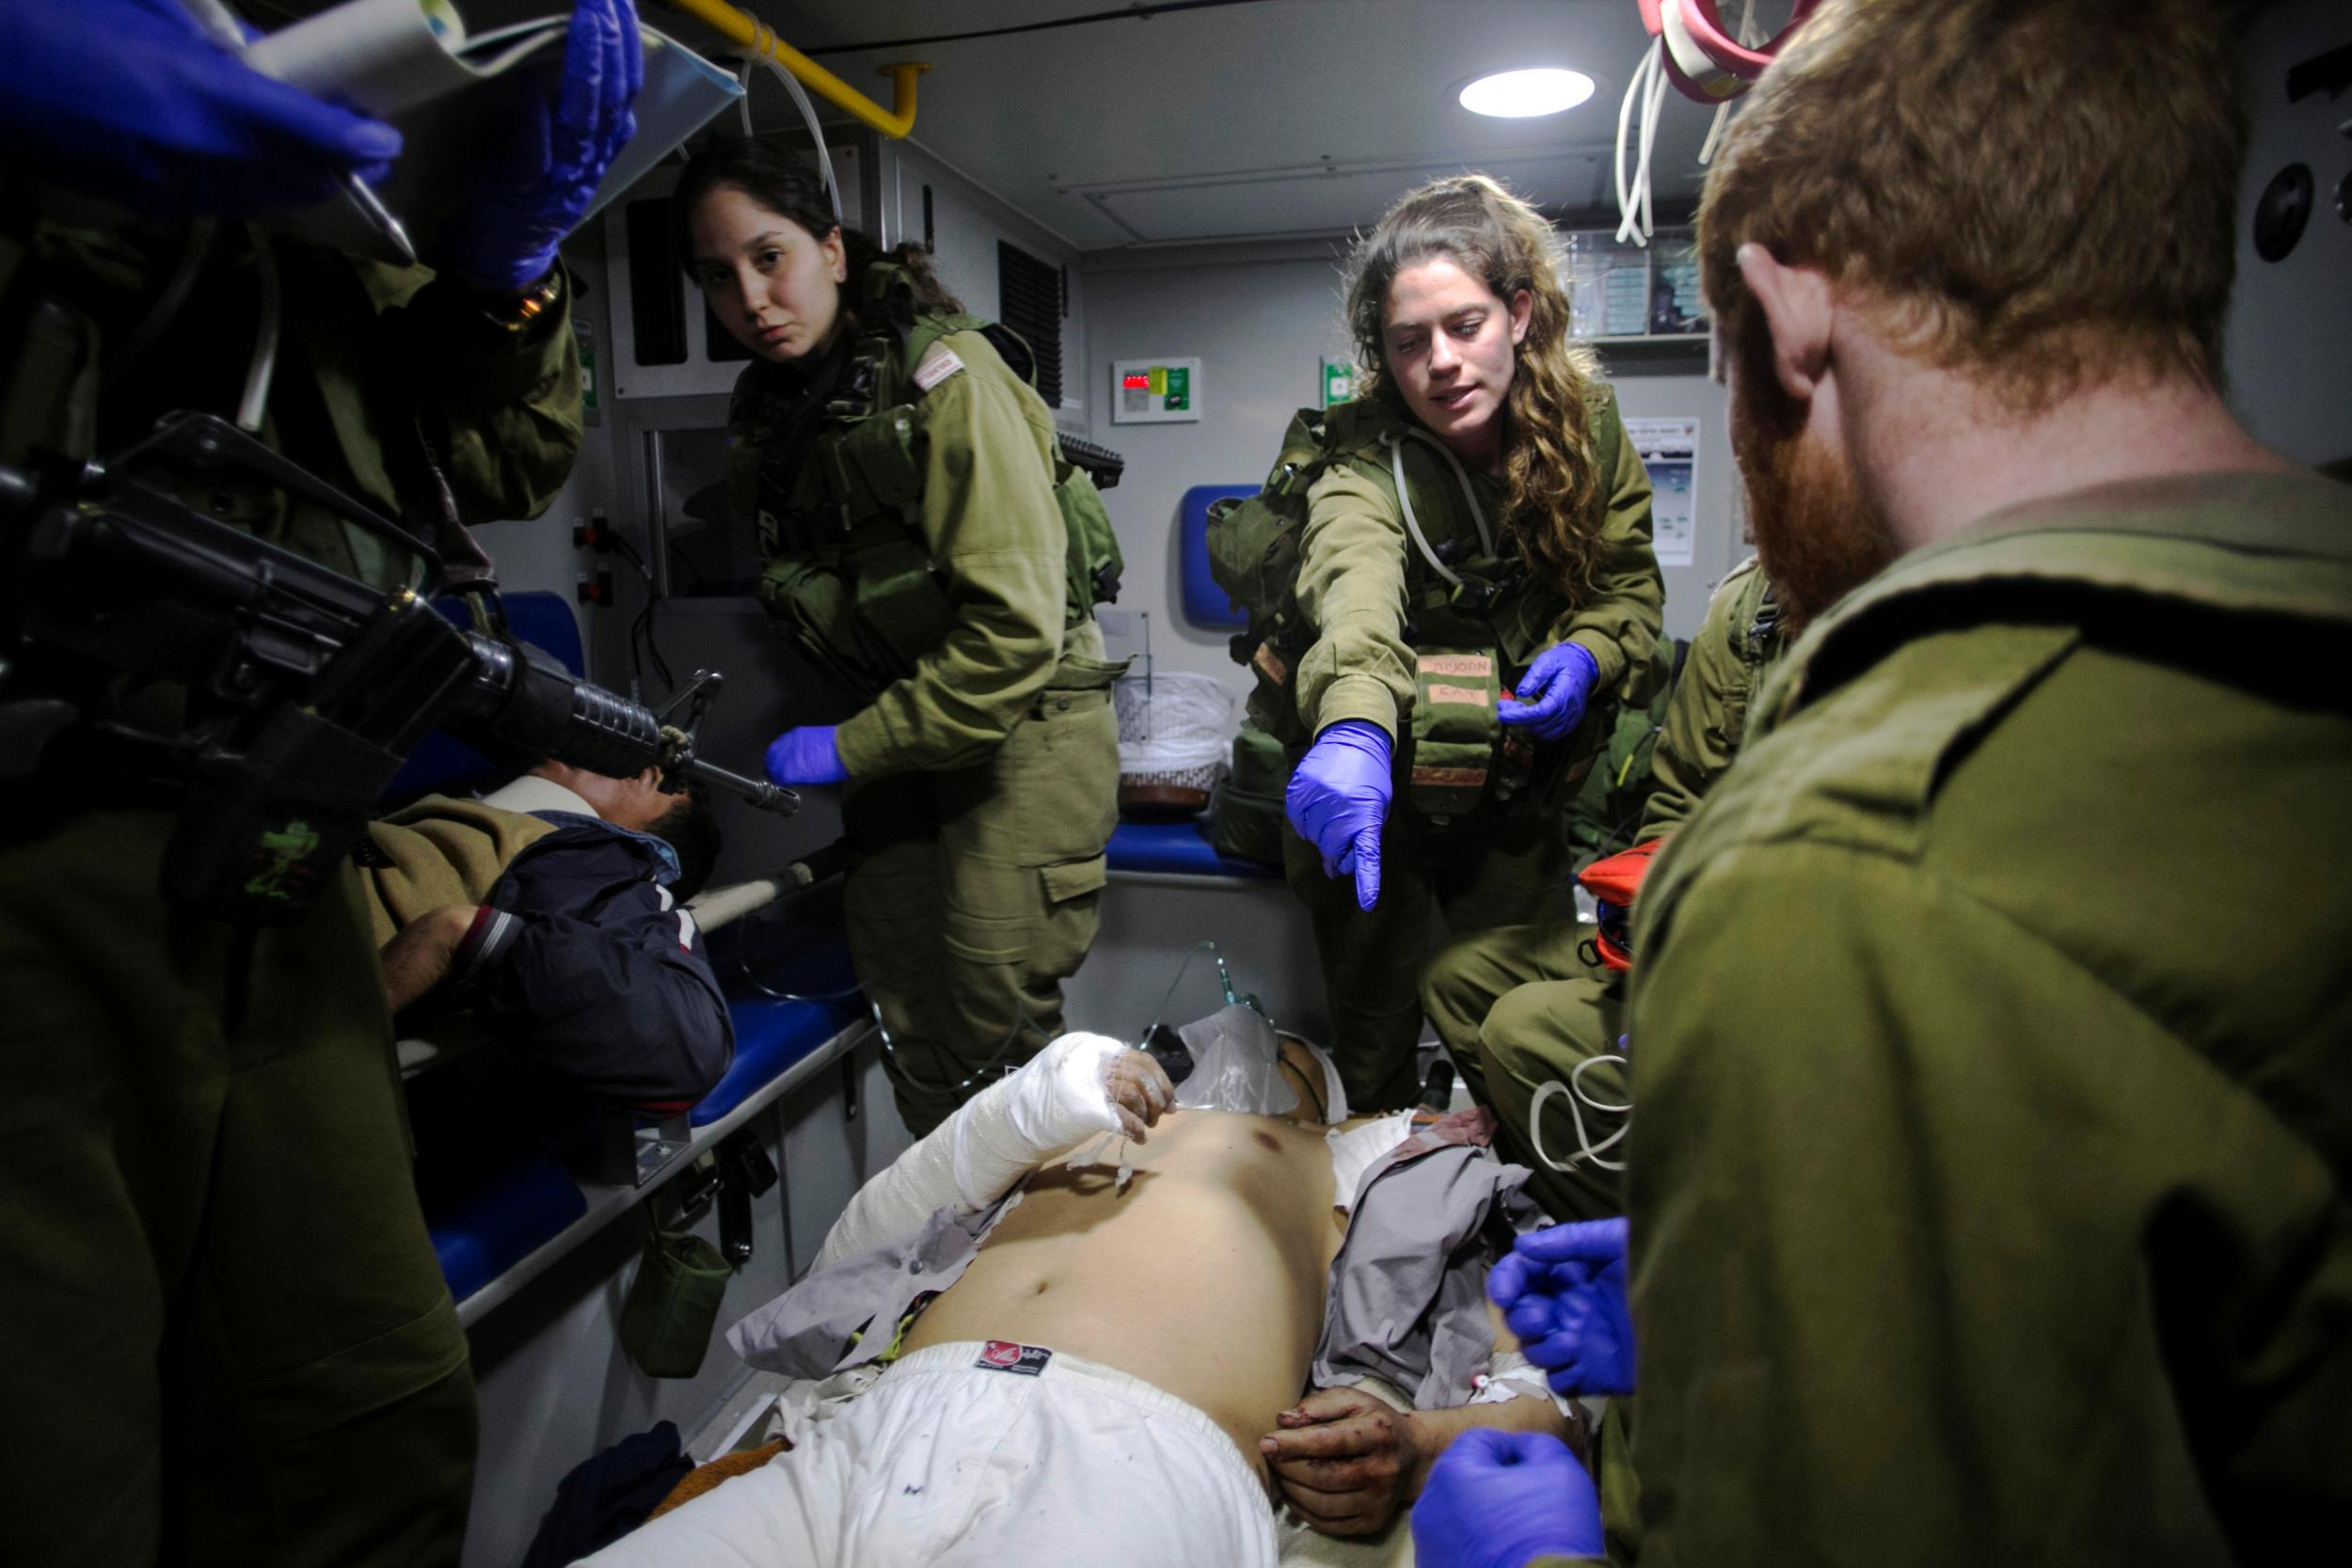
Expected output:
{"points": [[756, 36]]}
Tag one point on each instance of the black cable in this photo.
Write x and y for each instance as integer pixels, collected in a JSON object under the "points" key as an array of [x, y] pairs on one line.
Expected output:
{"points": [[1127, 13], [642, 624], [644, 650]]}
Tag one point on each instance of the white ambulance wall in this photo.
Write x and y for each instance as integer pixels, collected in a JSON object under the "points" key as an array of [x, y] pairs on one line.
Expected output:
{"points": [[1651, 387], [966, 224], [2290, 341], [1260, 326], [1262, 322]]}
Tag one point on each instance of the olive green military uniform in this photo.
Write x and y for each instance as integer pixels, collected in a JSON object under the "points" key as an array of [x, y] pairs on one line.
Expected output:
{"points": [[1607, 806], [1989, 1191], [232, 1341], [1380, 615], [437, 851], [1740, 645], [985, 765], [1520, 1008]]}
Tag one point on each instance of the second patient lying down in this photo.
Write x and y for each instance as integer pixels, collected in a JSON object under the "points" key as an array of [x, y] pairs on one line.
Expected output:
{"points": [[1100, 1308]]}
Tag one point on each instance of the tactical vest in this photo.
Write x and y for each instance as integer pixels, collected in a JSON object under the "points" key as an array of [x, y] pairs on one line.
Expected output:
{"points": [[1759, 637], [1473, 615], [850, 576]]}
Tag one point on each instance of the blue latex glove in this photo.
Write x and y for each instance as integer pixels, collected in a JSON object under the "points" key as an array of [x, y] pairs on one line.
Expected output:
{"points": [[129, 101], [567, 132], [1339, 797], [1562, 1292], [1553, 694], [1498, 1499], [806, 756]]}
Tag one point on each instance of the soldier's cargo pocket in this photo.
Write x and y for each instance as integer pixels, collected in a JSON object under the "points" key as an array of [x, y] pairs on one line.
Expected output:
{"points": [[1060, 766], [1074, 878], [993, 909], [1074, 900]]}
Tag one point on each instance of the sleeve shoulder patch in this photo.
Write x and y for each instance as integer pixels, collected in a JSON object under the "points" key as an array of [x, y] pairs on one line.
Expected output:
{"points": [[937, 366]]}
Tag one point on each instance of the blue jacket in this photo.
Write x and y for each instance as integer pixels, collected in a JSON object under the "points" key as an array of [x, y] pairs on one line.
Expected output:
{"points": [[586, 965]]}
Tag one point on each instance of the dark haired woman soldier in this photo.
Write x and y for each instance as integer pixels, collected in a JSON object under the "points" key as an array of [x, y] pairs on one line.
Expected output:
{"points": [[930, 548]]}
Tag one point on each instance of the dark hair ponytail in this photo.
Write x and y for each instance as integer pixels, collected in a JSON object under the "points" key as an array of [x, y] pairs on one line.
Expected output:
{"points": [[779, 180]]}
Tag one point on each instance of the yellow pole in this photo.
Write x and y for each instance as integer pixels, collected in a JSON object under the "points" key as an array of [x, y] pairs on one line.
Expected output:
{"points": [[755, 36]]}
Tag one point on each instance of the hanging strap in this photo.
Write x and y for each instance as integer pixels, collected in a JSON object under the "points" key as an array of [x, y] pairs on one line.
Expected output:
{"points": [[1394, 440]]}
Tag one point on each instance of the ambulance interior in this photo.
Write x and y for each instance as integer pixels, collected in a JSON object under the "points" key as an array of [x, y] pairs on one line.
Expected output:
{"points": [[1157, 197]]}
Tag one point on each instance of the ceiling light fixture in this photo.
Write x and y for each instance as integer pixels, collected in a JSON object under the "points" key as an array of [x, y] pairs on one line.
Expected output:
{"points": [[1524, 94]]}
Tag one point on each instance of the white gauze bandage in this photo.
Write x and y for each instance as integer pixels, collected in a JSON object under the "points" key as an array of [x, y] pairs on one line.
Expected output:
{"points": [[1513, 1376], [1058, 1098], [1353, 1153]]}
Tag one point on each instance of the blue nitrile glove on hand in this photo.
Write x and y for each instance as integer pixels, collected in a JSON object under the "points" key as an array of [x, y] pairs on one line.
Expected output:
{"points": [[1562, 1290], [1499, 1499], [1553, 694], [1339, 797], [806, 756], [532, 191], [129, 101]]}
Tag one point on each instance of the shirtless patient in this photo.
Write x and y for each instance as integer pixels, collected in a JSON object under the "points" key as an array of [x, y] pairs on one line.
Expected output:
{"points": [[1114, 1378]]}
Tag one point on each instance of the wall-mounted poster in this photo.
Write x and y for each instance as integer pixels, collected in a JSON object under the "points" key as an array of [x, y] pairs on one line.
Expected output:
{"points": [[1670, 450]]}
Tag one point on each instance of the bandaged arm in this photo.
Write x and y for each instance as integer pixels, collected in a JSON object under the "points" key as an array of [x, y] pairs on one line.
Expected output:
{"points": [[1079, 1087], [1513, 1376]]}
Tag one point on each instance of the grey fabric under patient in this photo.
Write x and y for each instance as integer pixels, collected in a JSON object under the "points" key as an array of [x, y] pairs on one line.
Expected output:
{"points": [[1407, 1299], [811, 1331]]}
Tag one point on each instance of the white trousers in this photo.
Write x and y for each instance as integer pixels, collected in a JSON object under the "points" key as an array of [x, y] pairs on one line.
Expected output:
{"points": [[973, 1455]]}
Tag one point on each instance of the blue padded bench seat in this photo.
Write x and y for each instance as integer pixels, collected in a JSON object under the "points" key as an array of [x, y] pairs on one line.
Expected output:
{"points": [[501, 1218], [1183, 847], [491, 1168], [772, 1033], [489, 1204]]}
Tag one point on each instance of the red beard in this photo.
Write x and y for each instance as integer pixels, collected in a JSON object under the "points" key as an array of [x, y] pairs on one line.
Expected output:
{"points": [[1819, 538]]}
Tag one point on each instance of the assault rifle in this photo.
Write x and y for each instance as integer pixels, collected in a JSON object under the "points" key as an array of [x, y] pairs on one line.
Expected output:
{"points": [[305, 689]]}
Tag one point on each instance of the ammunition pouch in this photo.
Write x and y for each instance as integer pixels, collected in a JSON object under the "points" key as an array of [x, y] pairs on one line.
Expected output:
{"points": [[1253, 555], [1455, 730], [863, 616], [870, 470], [1253, 544], [1247, 822], [1095, 563]]}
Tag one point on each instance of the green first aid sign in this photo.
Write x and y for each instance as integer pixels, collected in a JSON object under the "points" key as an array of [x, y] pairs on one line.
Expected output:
{"points": [[1338, 383]]}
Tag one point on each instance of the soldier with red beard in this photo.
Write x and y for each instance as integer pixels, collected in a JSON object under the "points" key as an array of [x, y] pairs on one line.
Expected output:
{"points": [[1988, 1194]]}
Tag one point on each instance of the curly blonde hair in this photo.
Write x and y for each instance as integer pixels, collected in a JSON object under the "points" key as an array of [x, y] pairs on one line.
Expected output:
{"points": [[1552, 482]]}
